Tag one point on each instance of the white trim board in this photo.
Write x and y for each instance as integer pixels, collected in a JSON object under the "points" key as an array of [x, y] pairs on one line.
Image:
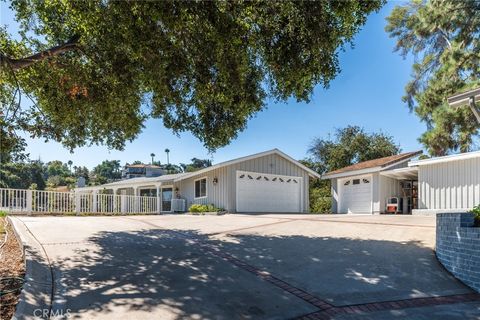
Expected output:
{"points": [[453, 157]]}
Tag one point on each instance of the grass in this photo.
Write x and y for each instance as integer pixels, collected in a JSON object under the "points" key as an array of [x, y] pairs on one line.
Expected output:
{"points": [[3, 220]]}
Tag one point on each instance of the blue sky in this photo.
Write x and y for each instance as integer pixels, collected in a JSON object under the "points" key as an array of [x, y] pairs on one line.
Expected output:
{"points": [[367, 93]]}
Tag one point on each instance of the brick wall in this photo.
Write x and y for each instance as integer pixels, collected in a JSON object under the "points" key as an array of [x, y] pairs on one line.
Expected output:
{"points": [[458, 247]]}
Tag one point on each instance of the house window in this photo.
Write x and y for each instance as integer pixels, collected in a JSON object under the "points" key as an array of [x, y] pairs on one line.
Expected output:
{"points": [[347, 183], [356, 181], [366, 181], [201, 188]]}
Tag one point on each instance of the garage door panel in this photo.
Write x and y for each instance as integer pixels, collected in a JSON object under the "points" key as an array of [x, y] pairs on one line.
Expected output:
{"points": [[259, 192], [356, 198]]}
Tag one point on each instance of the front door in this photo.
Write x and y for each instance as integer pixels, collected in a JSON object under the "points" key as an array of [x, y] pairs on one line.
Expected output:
{"points": [[167, 195]]}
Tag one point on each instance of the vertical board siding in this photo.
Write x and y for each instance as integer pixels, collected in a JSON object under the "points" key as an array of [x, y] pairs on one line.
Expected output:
{"points": [[450, 185], [271, 164], [216, 193], [223, 194], [389, 187]]}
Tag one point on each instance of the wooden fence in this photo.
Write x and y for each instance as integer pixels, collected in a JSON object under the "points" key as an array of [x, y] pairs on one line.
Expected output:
{"points": [[21, 201]]}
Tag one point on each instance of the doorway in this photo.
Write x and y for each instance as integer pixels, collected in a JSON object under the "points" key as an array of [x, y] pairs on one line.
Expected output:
{"points": [[167, 195]]}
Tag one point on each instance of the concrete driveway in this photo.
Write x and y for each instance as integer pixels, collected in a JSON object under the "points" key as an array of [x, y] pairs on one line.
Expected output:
{"points": [[239, 267]]}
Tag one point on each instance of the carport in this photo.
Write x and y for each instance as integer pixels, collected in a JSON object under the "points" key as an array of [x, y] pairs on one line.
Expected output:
{"points": [[406, 190]]}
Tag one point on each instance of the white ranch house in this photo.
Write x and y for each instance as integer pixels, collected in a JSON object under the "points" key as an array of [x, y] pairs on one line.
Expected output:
{"points": [[429, 186], [269, 181]]}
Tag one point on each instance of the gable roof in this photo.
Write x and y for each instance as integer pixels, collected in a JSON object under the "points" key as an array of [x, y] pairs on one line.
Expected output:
{"points": [[312, 173], [181, 176], [372, 165]]}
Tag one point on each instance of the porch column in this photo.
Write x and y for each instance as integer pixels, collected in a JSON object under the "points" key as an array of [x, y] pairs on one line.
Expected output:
{"points": [[29, 201], [123, 201], [94, 201], [115, 205], [78, 202], [159, 199], [136, 203]]}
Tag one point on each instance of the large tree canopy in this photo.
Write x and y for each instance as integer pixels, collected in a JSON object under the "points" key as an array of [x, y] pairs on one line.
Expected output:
{"points": [[348, 146], [444, 37], [97, 69]]}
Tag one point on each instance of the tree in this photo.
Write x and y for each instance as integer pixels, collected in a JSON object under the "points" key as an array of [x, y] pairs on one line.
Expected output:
{"points": [[167, 151], [94, 71], [196, 164], [82, 171], [348, 146], [108, 170], [153, 157], [70, 162], [172, 168], [444, 37], [22, 175], [57, 168]]}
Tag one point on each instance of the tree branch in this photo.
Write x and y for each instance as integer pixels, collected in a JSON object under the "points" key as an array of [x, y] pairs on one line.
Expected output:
{"points": [[17, 64]]}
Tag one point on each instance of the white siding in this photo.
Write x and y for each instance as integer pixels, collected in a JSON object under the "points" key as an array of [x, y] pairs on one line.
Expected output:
{"points": [[389, 187], [217, 194], [223, 194], [450, 185]]}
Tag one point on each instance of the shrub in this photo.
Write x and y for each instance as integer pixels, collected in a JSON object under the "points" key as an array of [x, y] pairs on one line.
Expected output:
{"points": [[476, 212], [3, 213], [320, 200], [200, 208]]}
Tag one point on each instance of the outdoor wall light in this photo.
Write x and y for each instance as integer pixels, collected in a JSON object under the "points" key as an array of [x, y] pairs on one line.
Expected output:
{"points": [[215, 180]]}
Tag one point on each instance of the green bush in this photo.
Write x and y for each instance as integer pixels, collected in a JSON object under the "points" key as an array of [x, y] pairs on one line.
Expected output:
{"points": [[200, 208], [320, 200], [476, 212], [3, 213]]}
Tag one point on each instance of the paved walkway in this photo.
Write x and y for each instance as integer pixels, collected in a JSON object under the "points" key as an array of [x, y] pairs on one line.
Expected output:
{"points": [[242, 267]]}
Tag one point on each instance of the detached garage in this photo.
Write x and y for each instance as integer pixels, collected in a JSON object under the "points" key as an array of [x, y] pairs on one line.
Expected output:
{"points": [[401, 184], [367, 187]]}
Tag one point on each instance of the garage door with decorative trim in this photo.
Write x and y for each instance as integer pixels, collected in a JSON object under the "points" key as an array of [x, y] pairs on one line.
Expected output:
{"points": [[356, 195], [260, 192]]}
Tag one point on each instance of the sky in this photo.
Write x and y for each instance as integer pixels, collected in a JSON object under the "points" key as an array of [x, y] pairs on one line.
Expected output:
{"points": [[366, 93]]}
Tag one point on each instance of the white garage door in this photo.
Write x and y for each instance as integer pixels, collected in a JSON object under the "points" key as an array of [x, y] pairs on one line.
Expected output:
{"points": [[356, 195], [259, 192]]}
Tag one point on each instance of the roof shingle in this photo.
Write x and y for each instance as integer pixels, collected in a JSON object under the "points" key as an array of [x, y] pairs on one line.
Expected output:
{"points": [[380, 162]]}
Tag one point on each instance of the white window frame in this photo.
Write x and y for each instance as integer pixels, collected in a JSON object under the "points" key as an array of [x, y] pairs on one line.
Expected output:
{"points": [[206, 188]]}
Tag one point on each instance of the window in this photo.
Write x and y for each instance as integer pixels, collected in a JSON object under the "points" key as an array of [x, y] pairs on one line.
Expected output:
{"points": [[356, 181], [346, 183], [201, 188], [366, 181]]}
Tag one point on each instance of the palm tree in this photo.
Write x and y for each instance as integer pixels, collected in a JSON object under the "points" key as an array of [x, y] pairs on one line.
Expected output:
{"points": [[70, 162], [153, 156], [168, 159]]}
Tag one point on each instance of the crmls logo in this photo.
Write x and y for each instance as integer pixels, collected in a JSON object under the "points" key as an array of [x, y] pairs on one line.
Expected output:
{"points": [[54, 314]]}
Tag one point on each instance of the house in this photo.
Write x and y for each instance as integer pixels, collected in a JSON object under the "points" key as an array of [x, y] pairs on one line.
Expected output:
{"points": [[269, 181], [428, 186], [141, 170]]}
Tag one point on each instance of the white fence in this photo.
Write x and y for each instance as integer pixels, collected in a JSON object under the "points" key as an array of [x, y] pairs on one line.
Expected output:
{"points": [[52, 202]]}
